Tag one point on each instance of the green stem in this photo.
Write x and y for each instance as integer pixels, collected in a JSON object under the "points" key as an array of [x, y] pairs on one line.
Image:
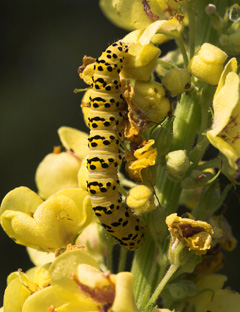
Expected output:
{"points": [[172, 269], [109, 254], [122, 260], [141, 267], [109, 262], [183, 50], [146, 292], [186, 123], [206, 99], [202, 143], [185, 127], [198, 151], [192, 22]]}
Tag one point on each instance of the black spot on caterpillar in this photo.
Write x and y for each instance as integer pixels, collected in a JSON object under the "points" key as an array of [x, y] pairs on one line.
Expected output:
{"points": [[105, 120]]}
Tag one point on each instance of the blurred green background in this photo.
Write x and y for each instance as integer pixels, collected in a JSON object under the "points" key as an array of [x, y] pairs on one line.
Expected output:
{"points": [[42, 45]]}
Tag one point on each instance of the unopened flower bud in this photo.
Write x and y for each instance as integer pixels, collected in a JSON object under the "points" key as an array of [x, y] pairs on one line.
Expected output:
{"points": [[177, 81], [177, 164], [210, 9], [207, 63], [150, 97], [216, 20], [180, 290], [140, 61], [140, 199], [231, 42]]}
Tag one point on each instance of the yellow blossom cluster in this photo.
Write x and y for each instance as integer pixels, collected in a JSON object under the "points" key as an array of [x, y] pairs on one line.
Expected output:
{"points": [[72, 282]]}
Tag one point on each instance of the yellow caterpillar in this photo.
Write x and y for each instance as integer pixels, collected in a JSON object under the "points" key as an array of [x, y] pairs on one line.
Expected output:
{"points": [[105, 120]]}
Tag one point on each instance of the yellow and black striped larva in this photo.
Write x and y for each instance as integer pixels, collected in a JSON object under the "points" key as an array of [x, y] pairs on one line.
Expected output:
{"points": [[105, 120]]}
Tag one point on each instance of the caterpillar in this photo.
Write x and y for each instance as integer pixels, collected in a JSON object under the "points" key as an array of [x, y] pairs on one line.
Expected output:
{"points": [[105, 120]]}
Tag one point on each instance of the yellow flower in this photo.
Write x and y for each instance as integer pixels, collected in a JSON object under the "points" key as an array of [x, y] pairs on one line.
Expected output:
{"points": [[207, 63], [19, 288], [135, 14], [77, 284], [170, 28], [39, 258], [194, 234], [225, 132], [140, 61], [46, 225], [212, 297], [58, 170], [143, 158]]}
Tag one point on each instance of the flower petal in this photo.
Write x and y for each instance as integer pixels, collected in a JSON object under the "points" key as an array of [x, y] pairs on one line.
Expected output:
{"points": [[108, 9], [170, 28], [124, 299], [42, 301], [74, 140], [194, 234], [60, 274], [55, 222], [21, 197]]}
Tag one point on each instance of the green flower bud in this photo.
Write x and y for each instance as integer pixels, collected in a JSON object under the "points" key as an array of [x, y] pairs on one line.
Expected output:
{"points": [[231, 43], [177, 164], [207, 63], [216, 19], [180, 290], [210, 9], [150, 97], [140, 199], [177, 81]]}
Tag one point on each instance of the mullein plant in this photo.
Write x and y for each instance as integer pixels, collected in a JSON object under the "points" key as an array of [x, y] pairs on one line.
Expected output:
{"points": [[178, 105]]}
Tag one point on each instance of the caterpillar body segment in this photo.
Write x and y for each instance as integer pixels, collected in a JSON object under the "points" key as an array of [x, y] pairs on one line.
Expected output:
{"points": [[101, 101], [105, 120]]}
